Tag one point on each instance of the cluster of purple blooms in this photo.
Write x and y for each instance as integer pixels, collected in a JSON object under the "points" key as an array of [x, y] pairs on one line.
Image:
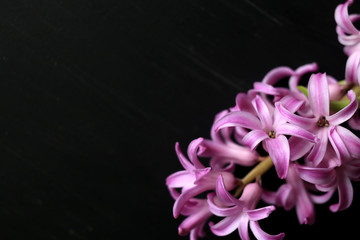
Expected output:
{"points": [[306, 133]]}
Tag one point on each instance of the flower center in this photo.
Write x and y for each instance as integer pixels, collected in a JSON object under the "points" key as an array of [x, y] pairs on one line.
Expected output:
{"points": [[272, 134], [322, 122]]}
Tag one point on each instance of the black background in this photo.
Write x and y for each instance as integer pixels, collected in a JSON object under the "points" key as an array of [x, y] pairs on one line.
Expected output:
{"points": [[94, 95]]}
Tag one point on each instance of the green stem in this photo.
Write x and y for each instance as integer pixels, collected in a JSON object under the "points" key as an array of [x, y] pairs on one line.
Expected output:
{"points": [[256, 172]]}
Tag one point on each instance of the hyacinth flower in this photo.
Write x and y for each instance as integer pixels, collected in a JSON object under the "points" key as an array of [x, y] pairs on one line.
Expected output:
{"points": [[198, 213], [268, 127], [302, 130], [348, 34], [320, 123], [224, 151], [195, 179], [294, 193], [330, 176], [239, 213]]}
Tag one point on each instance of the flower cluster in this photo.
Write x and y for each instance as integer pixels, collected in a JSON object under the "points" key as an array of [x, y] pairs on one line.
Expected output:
{"points": [[304, 131]]}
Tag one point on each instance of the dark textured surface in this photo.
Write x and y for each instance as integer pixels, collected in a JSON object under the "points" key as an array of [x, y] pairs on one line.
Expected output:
{"points": [[94, 94]]}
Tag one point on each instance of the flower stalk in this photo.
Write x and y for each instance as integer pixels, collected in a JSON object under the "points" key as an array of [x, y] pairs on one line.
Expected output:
{"points": [[255, 173]]}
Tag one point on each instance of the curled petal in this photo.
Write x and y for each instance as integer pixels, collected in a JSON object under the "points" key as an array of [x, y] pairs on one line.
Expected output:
{"points": [[226, 226], [277, 74], [304, 122], [238, 119], [184, 197], [352, 68], [265, 88], [345, 191], [320, 199], [197, 218], [294, 80], [338, 145], [347, 112], [342, 18], [223, 195], [279, 152], [192, 152], [219, 210], [318, 152], [351, 140], [318, 92], [259, 213], [184, 162], [253, 138], [260, 234]]}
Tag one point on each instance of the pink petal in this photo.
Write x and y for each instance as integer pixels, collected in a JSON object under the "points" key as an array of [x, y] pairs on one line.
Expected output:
{"points": [[290, 103], [221, 211], [265, 88], [218, 136], [226, 226], [351, 140], [184, 197], [253, 138], [318, 93], [345, 191], [293, 130], [306, 123], [191, 222], [352, 68], [320, 199], [279, 152], [241, 155], [268, 196], [305, 208], [251, 195], [318, 152], [238, 119], [243, 102], [263, 113], [184, 162], [286, 196], [298, 148], [192, 152], [244, 227], [354, 122], [342, 18], [294, 80], [347, 112], [277, 74], [352, 169], [260, 234], [180, 179], [315, 175], [259, 213], [338, 145], [224, 196]]}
